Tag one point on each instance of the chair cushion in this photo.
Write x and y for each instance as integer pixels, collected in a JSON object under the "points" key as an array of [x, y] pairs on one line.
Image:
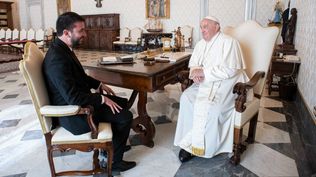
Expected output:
{"points": [[119, 42], [252, 108], [62, 136]]}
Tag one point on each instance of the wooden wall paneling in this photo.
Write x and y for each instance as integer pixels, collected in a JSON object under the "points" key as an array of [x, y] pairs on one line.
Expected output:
{"points": [[101, 30]]}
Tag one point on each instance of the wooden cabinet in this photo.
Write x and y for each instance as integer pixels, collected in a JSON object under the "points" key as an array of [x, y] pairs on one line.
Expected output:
{"points": [[101, 31], [6, 15], [281, 68]]}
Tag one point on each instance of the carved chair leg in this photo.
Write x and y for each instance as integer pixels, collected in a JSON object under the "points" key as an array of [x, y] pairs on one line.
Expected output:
{"points": [[109, 150], [51, 162], [96, 164], [235, 159], [252, 129]]}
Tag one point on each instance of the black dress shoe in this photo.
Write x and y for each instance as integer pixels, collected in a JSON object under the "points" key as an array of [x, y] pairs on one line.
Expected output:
{"points": [[123, 165], [185, 156], [127, 148]]}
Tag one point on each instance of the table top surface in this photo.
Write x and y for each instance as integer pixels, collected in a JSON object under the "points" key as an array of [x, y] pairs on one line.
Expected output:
{"points": [[138, 67]]}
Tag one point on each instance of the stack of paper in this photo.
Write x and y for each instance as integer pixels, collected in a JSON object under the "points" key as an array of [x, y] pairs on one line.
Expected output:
{"points": [[109, 59]]}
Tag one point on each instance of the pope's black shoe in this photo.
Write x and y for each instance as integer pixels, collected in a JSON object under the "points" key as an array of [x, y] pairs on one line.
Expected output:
{"points": [[123, 165], [185, 156]]}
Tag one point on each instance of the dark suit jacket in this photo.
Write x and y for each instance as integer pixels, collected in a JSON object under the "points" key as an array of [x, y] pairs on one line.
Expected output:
{"points": [[68, 84]]}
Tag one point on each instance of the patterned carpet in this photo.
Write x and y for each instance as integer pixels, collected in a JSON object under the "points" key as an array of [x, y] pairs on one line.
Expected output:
{"points": [[23, 151]]}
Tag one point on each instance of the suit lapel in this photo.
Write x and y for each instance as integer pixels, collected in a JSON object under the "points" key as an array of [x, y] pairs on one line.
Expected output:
{"points": [[74, 57], [70, 53]]}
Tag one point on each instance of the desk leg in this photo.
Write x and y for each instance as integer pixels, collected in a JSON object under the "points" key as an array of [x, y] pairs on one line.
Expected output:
{"points": [[143, 124]]}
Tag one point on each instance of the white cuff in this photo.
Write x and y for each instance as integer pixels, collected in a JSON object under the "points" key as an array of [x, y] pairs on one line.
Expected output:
{"points": [[102, 97]]}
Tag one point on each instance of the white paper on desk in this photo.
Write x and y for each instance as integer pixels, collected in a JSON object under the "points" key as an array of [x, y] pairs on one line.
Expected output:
{"points": [[109, 58], [127, 56], [167, 59], [291, 58]]}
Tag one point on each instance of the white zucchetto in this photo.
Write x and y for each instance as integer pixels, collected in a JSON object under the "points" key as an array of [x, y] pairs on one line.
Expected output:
{"points": [[212, 18]]}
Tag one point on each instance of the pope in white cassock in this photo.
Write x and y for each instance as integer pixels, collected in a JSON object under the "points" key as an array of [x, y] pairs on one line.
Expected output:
{"points": [[206, 116]]}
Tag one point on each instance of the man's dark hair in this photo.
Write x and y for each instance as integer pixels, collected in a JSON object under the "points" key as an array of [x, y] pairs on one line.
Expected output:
{"points": [[66, 21]]}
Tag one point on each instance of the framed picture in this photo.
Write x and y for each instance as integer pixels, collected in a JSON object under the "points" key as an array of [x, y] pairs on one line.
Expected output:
{"points": [[157, 8], [63, 6]]}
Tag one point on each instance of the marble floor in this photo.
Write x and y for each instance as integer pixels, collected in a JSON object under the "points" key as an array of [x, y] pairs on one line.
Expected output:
{"points": [[23, 151]]}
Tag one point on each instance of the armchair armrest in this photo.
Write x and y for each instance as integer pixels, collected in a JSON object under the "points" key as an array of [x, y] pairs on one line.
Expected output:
{"points": [[183, 78], [57, 111], [241, 90], [69, 110]]}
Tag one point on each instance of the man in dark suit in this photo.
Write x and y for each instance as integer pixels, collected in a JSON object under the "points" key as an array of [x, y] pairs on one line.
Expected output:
{"points": [[68, 84]]}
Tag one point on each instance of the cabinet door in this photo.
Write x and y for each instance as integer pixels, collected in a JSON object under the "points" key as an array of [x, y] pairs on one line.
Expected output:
{"points": [[110, 21], [93, 39], [85, 43], [106, 39]]}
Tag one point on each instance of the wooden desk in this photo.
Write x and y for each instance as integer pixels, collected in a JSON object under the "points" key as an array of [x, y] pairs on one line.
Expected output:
{"points": [[281, 68], [141, 79]]}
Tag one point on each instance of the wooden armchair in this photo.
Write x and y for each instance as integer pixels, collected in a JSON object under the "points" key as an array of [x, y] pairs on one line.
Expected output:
{"points": [[39, 37], [257, 45], [187, 31], [59, 139], [136, 35], [124, 36]]}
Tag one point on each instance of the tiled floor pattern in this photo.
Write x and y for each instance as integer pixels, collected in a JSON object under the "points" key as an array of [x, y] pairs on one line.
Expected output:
{"points": [[23, 151]]}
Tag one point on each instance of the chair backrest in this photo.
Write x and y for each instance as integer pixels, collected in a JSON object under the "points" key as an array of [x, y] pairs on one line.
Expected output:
{"points": [[23, 34], [30, 34], [8, 34], [39, 36], [136, 33], [2, 34], [124, 33], [15, 34], [31, 69], [187, 32], [257, 44], [49, 33]]}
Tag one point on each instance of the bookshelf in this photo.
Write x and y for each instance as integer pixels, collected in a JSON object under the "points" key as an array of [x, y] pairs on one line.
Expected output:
{"points": [[6, 15]]}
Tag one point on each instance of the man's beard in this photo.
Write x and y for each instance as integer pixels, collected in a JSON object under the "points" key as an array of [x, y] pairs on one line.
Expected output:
{"points": [[75, 42]]}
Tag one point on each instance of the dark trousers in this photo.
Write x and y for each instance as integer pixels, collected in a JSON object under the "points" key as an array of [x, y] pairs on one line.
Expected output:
{"points": [[120, 123]]}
